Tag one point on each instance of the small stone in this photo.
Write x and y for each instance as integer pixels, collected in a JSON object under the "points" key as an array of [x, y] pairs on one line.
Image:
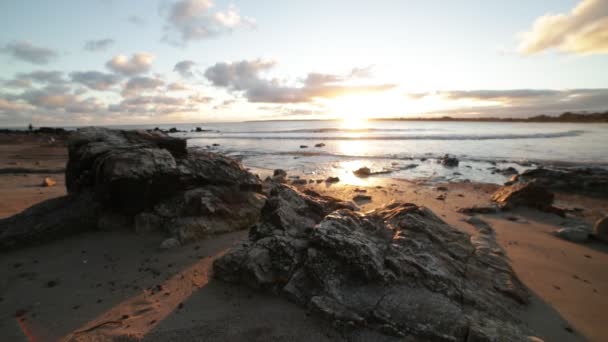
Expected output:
{"points": [[332, 180], [362, 198], [303, 146], [320, 145], [48, 182]]}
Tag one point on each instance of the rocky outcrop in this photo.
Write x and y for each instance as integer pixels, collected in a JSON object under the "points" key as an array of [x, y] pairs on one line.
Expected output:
{"points": [[523, 194], [149, 181], [363, 172], [400, 269], [589, 181]]}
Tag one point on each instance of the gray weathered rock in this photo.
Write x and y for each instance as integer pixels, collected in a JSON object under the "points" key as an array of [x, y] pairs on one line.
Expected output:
{"points": [[400, 269], [589, 181], [169, 243]]}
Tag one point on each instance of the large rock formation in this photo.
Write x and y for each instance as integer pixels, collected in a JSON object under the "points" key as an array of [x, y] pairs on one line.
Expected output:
{"points": [[589, 181], [523, 194], [146, 180], [400, 269]]}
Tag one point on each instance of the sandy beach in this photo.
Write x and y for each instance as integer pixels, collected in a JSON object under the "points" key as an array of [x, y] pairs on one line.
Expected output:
{"points": [[97, 284]]}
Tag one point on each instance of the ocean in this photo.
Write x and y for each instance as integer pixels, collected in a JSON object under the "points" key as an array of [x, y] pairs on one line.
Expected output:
{"points": [[403, 149], [400, 149]]}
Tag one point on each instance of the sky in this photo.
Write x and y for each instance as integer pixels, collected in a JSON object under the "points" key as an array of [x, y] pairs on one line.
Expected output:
{"points": [[99, 62]]}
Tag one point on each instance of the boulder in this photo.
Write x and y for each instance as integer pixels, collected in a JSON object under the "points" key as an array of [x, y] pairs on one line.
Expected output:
{"points": [[448, 161], [145, 180], [332, 180], [320, 145], [362, 172], [399, 270], [600, 229], [523, 194]]}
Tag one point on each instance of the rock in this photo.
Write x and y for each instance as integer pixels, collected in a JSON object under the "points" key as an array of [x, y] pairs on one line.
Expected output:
{"points": [[198, 129], [575, 234], [441, 197], [448, 161], [169, 243], [512, 180], [507, 171], [215, 145], [362, 198], [48, 182], [147, 178], [588, 181], [523, 194], [303, 146], [320, 145], [146, 223], [600, 229], [398, 270], [409, 166], [362, 172], [332, 180], [299, 182], [279, 172]]}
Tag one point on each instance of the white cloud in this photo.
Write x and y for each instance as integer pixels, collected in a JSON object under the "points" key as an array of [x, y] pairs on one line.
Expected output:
{"points": [[137, 85], [196, 20], [139, 63], [582, 31], [27, 52], [246, 77]]}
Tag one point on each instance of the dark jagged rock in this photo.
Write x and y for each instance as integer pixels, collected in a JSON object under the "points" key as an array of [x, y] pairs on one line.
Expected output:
{"points": [[399, 270], [589, 181], [320, 145], [130, 174], [509, 171], [448, 161], [478, 210], [332, 180]]}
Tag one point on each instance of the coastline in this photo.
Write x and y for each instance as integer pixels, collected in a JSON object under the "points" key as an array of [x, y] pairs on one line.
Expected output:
{"points": [[569, 281]]}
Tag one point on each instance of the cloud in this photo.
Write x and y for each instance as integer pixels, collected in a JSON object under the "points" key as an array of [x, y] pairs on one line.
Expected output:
{"points": [[59, 98], [177, 86], [246, 77], [158, 104], [141, 84], [139, 63], [582, 31], [26, 80], [184, 68], [196, 20], [520, 102], [95, 80], [98, 45], [27, 52]]}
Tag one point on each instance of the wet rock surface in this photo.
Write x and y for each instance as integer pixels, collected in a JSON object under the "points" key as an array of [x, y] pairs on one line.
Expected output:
{"points": [[145, 180], [399, 270]]}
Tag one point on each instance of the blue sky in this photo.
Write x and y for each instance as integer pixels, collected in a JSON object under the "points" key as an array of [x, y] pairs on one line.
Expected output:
{"points": [[419, 57]]}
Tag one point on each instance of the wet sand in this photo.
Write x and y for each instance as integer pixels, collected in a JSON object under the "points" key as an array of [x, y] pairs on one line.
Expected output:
{"points": [[118, 284]]}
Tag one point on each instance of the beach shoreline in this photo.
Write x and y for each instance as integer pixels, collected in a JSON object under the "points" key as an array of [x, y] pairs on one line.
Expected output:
{"points": [[95, 276]]}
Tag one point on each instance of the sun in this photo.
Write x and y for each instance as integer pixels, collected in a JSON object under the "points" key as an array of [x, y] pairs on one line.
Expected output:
{"points": [[355, 109]]}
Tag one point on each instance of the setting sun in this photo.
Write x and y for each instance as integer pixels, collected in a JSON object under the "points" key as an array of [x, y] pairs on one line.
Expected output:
{"points": [[355, 109]]}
